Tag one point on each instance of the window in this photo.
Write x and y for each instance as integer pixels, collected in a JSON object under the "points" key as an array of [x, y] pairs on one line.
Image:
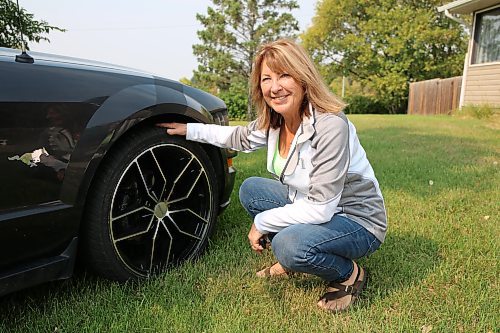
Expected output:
{"points": [[487, 37]]}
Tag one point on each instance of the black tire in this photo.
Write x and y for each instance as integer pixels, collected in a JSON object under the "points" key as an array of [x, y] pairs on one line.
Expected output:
{"points": [[153, 204]]}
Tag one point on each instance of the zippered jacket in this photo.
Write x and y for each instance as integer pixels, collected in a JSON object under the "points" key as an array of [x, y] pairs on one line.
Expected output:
{"points": [[326, 170]]}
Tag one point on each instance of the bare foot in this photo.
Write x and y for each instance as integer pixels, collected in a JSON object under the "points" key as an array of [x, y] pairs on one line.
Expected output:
{"points": [[272, 271]]}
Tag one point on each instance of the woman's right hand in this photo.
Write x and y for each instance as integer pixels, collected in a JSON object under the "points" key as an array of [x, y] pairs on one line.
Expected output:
{"points": [[174, 128]]}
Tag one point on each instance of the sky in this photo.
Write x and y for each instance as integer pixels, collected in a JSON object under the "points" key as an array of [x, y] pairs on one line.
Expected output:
{"points": [[151, 35]]}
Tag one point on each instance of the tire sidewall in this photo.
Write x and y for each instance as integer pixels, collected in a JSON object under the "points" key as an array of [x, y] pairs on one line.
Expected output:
{"points": [[99, 240]]}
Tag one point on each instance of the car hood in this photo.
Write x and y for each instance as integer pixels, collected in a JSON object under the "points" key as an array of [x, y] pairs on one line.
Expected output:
{"points": [[68, 61], [211, 103]]}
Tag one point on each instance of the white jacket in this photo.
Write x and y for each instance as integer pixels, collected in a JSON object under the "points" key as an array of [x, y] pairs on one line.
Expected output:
{"points": [[326, 171]]}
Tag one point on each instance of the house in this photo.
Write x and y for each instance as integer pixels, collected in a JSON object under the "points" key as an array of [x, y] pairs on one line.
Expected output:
{"points": [[481, 75]]}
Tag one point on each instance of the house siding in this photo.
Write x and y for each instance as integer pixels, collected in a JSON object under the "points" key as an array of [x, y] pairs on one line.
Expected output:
{"points": [[482, 85]]}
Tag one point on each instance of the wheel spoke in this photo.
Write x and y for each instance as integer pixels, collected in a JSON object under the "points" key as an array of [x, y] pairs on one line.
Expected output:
{"points": [[171, 240], [137, 233], [189, 210], [178, 177], [190, 190], [132, 212], [161, 172], [144, 181], [153, 247], [182, 231]]}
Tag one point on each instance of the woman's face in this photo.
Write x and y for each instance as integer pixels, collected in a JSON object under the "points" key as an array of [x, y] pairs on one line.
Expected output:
{"points": [[281, 92]]}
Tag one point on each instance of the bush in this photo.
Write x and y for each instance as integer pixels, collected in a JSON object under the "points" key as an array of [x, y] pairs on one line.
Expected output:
{"points": [[477, 111], [359, 104], [236, 99]]}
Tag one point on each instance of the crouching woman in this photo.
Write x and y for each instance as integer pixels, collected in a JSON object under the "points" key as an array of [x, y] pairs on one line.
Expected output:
{"points": [[325, 209]]}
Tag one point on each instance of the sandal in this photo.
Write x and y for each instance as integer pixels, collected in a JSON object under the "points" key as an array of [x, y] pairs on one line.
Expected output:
{"points": [[335, 299], [273, 271]]}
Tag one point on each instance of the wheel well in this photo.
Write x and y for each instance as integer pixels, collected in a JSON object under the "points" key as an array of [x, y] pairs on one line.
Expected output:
{"points": [[178, 205], [212, 151]]}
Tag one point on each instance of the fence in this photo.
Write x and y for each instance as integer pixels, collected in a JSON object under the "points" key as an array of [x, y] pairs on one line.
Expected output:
{"points": [[437, 96]]}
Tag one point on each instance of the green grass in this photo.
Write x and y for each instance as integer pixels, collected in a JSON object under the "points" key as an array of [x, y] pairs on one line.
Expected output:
{"points": [[437, 270]]}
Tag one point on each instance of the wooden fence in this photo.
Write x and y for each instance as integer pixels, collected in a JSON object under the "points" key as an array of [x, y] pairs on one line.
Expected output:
{"points": [[437, 96]]}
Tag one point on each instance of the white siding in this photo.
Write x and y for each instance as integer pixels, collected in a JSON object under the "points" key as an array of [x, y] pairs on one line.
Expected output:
{"points": [[482, 85]]}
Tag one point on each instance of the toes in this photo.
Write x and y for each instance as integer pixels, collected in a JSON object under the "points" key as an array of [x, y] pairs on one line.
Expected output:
{"points": [[263, 273]]}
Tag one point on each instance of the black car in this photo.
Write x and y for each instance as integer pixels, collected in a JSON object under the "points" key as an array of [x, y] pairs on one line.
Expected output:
{"points": [[84, 171]]}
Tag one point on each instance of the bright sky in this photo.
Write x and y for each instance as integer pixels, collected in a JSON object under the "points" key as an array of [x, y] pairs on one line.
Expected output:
{"points": [[152, 35]]}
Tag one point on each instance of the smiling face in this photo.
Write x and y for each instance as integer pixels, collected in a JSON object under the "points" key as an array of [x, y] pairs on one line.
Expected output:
{"points": [[281, 91]]}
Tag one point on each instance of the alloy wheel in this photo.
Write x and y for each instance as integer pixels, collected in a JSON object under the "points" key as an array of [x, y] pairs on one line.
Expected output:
{"points": [[160, 209]]}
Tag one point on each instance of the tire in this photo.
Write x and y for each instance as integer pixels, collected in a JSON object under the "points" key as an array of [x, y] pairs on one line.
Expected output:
{"points": [[152, 205]]}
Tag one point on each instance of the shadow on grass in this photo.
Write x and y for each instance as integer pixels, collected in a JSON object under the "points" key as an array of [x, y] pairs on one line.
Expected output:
{"points": [[402, 261], [43, 300]]}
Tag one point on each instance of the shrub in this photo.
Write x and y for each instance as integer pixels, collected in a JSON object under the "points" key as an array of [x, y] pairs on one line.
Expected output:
{"points": [[479, 111], [360, 104], [236, 99]]}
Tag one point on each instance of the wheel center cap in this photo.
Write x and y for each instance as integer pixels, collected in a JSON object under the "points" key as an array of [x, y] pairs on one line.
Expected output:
{"points": [[161, 209]]}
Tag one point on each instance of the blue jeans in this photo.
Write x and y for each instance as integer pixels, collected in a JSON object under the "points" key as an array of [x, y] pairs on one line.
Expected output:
{"points": [[325, 250]]}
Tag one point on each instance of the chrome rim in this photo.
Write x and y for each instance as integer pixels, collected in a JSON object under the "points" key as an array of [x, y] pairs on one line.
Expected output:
{"points": [[160, 209]]}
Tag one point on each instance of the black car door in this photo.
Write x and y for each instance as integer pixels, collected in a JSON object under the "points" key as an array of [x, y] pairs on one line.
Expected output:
{"points": [[40, 123]]}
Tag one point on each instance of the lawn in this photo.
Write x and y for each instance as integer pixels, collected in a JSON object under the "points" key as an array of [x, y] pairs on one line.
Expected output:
{"points": [[436, 272]]}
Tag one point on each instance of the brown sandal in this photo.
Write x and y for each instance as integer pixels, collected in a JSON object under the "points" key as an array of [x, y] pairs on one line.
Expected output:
{"points": [[341, 290], [275, 270]]}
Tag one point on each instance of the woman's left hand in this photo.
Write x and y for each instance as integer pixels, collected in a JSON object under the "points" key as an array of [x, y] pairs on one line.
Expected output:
{"points": [[254, 236], [174, 128]]}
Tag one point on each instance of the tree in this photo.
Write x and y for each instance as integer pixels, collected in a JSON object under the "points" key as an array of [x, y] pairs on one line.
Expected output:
{"points": [[32, 29], [233, 29], [186, 81], [386, 44]]}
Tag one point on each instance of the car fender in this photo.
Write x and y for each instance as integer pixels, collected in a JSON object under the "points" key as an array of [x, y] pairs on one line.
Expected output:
{"points": [[116, 116]]}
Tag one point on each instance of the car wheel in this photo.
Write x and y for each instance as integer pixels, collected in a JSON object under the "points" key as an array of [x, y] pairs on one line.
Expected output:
{"points": [[153, 204]]}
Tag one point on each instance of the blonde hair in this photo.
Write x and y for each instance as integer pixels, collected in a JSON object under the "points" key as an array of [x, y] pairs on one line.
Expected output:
{"points": [[286, 56]]}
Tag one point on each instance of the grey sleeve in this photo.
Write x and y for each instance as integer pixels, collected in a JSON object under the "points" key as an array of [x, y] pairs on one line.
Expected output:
{"points": [[330, 160]]}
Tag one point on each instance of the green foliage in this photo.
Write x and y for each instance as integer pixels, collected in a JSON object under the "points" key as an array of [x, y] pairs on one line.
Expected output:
{"points": [[186, 81], [481, 111], [351, 87], [32, 29], [386, 44], [233, 30], [360, 104], [236, 99]]}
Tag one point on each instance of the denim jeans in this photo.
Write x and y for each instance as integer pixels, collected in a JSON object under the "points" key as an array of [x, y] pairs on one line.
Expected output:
{"points": [[325, 250]]}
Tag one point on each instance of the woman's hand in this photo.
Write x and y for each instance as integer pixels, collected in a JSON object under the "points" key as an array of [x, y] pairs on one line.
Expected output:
{"points": [[253, 237], [174, 128]]}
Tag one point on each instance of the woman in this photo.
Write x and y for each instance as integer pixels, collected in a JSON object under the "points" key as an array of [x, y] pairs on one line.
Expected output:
{"points": [[327, 208]]}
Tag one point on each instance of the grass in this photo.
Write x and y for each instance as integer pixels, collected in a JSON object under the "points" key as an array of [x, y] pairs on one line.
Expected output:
{"points": [[436, 272], [477, 111]]}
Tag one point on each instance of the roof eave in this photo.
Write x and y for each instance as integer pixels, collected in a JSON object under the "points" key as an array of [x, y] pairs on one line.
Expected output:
{"points": [[467, 6]]}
